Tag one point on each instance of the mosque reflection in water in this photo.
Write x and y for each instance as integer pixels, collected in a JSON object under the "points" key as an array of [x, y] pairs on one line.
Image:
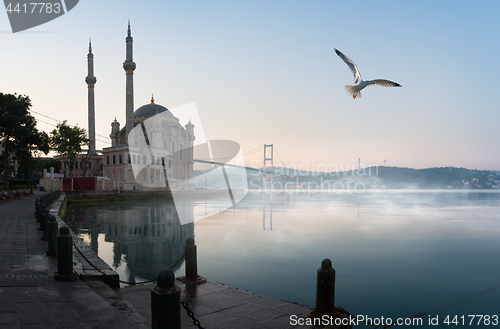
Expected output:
{"points": [[146, 236]]}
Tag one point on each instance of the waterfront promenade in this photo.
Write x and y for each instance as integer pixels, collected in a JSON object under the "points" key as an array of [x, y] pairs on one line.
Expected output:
{"points": [[31, 298]]}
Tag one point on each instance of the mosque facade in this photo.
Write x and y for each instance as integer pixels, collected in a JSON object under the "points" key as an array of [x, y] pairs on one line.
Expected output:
{"points": [[169, 143]]}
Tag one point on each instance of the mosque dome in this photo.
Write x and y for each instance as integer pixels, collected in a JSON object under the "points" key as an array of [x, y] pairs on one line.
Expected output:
{"points": [[150, 109]]}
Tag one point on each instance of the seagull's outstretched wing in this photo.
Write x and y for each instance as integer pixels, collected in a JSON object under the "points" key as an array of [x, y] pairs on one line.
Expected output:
{"points": [[383, 83], [352, 66]]}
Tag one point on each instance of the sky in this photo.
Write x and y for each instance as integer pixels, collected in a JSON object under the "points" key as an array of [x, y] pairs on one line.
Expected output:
{"points": [[265, 72]]}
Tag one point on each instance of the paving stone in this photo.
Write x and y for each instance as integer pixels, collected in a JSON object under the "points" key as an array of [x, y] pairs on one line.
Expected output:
{"points": [[263, 315], [6, 298], [39, 326], [7, 308], [29, 308], [8, 318], [34, 318]]}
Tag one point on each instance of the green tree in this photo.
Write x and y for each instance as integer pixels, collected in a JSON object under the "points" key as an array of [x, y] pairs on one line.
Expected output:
{"points": [[68, 142], [19, 137]]}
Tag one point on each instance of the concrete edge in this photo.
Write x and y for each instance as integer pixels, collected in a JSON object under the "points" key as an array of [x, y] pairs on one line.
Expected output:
{"points": [[82, 260]]}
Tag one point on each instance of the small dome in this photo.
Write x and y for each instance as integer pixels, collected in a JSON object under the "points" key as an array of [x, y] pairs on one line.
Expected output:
{"points": [[150, 109]]}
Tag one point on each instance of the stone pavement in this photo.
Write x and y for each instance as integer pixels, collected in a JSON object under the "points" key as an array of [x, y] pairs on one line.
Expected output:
{"points": [[219, 306], [31, 298], [29, 295]]}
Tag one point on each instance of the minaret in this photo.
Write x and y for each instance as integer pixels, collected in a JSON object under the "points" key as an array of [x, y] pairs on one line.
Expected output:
{"points": [[91, 81], [129, 67]]}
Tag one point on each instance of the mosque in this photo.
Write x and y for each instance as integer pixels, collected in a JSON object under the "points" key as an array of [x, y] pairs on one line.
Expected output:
{"points": [[169, 143]]}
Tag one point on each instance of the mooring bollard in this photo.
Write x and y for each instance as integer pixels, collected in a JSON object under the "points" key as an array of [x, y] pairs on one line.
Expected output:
{"points": [[325, 289], [64, 256], [52, 235], [191, 261], [38, 206], [43, 223], [166, 302]]}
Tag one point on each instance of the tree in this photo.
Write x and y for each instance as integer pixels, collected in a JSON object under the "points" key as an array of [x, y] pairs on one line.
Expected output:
{"points": [[68, 142], [19, 136]]}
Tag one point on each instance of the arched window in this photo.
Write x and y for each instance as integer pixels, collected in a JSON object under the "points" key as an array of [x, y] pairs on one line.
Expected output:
{"points": [[90, 165], [107, 174], [120, 174], [129, 158], [114, 174], [120, 158], [133, 159], [114, 159]]}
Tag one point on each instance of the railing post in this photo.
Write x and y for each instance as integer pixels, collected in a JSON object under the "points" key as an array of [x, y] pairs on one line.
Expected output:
{"points": [[64, 256], [52, 235], [325, 289], [191, 261], [166, 302], [43, 223], [38, 213]]}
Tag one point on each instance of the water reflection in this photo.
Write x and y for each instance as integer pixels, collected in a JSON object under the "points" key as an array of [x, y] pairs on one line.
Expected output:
{"points": [[396, 253], [146, 236]]}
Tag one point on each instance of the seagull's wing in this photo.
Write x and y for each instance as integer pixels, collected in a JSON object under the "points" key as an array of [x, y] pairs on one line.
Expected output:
{"points": [[383, 83], [352, 66]]}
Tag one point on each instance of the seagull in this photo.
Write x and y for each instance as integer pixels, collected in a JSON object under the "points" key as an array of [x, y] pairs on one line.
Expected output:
{"points": [[355, 90]]}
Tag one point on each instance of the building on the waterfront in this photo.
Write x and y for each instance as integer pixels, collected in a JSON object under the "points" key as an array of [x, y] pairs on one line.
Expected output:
{"points": [[170, 142]]}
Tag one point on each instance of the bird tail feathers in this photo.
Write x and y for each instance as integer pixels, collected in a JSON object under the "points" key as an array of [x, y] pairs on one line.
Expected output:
{"points": [[351, 90]]}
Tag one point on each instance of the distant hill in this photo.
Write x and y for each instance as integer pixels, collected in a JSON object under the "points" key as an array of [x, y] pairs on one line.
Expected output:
{"points": [[385, 177]]}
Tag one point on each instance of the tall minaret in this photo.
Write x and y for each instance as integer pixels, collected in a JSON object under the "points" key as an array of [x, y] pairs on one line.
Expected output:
{"points": [[129, 67], [91, 80]]}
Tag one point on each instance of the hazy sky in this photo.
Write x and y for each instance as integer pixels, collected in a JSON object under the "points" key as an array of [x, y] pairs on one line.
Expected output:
{"points": [[263, 72]]}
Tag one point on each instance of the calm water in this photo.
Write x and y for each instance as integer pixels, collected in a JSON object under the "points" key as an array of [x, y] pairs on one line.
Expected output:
{"points": [[396, 254]]}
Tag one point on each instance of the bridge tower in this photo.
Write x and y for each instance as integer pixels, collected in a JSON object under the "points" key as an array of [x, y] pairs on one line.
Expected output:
{"points": [[268, 157]]}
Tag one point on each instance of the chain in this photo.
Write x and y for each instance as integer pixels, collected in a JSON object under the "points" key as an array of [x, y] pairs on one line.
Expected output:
{"points": [[191, 315], [117, 280]]}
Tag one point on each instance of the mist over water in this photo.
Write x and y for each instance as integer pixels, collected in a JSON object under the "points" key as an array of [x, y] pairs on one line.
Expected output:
{"points": [[396, 253]]}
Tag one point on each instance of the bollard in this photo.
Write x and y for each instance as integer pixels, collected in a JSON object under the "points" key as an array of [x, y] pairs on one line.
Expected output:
{"points": [[64, 256], [191, 261], [52, 235], [166, 302], [43, 223], [325, 289], [38, 207]]}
